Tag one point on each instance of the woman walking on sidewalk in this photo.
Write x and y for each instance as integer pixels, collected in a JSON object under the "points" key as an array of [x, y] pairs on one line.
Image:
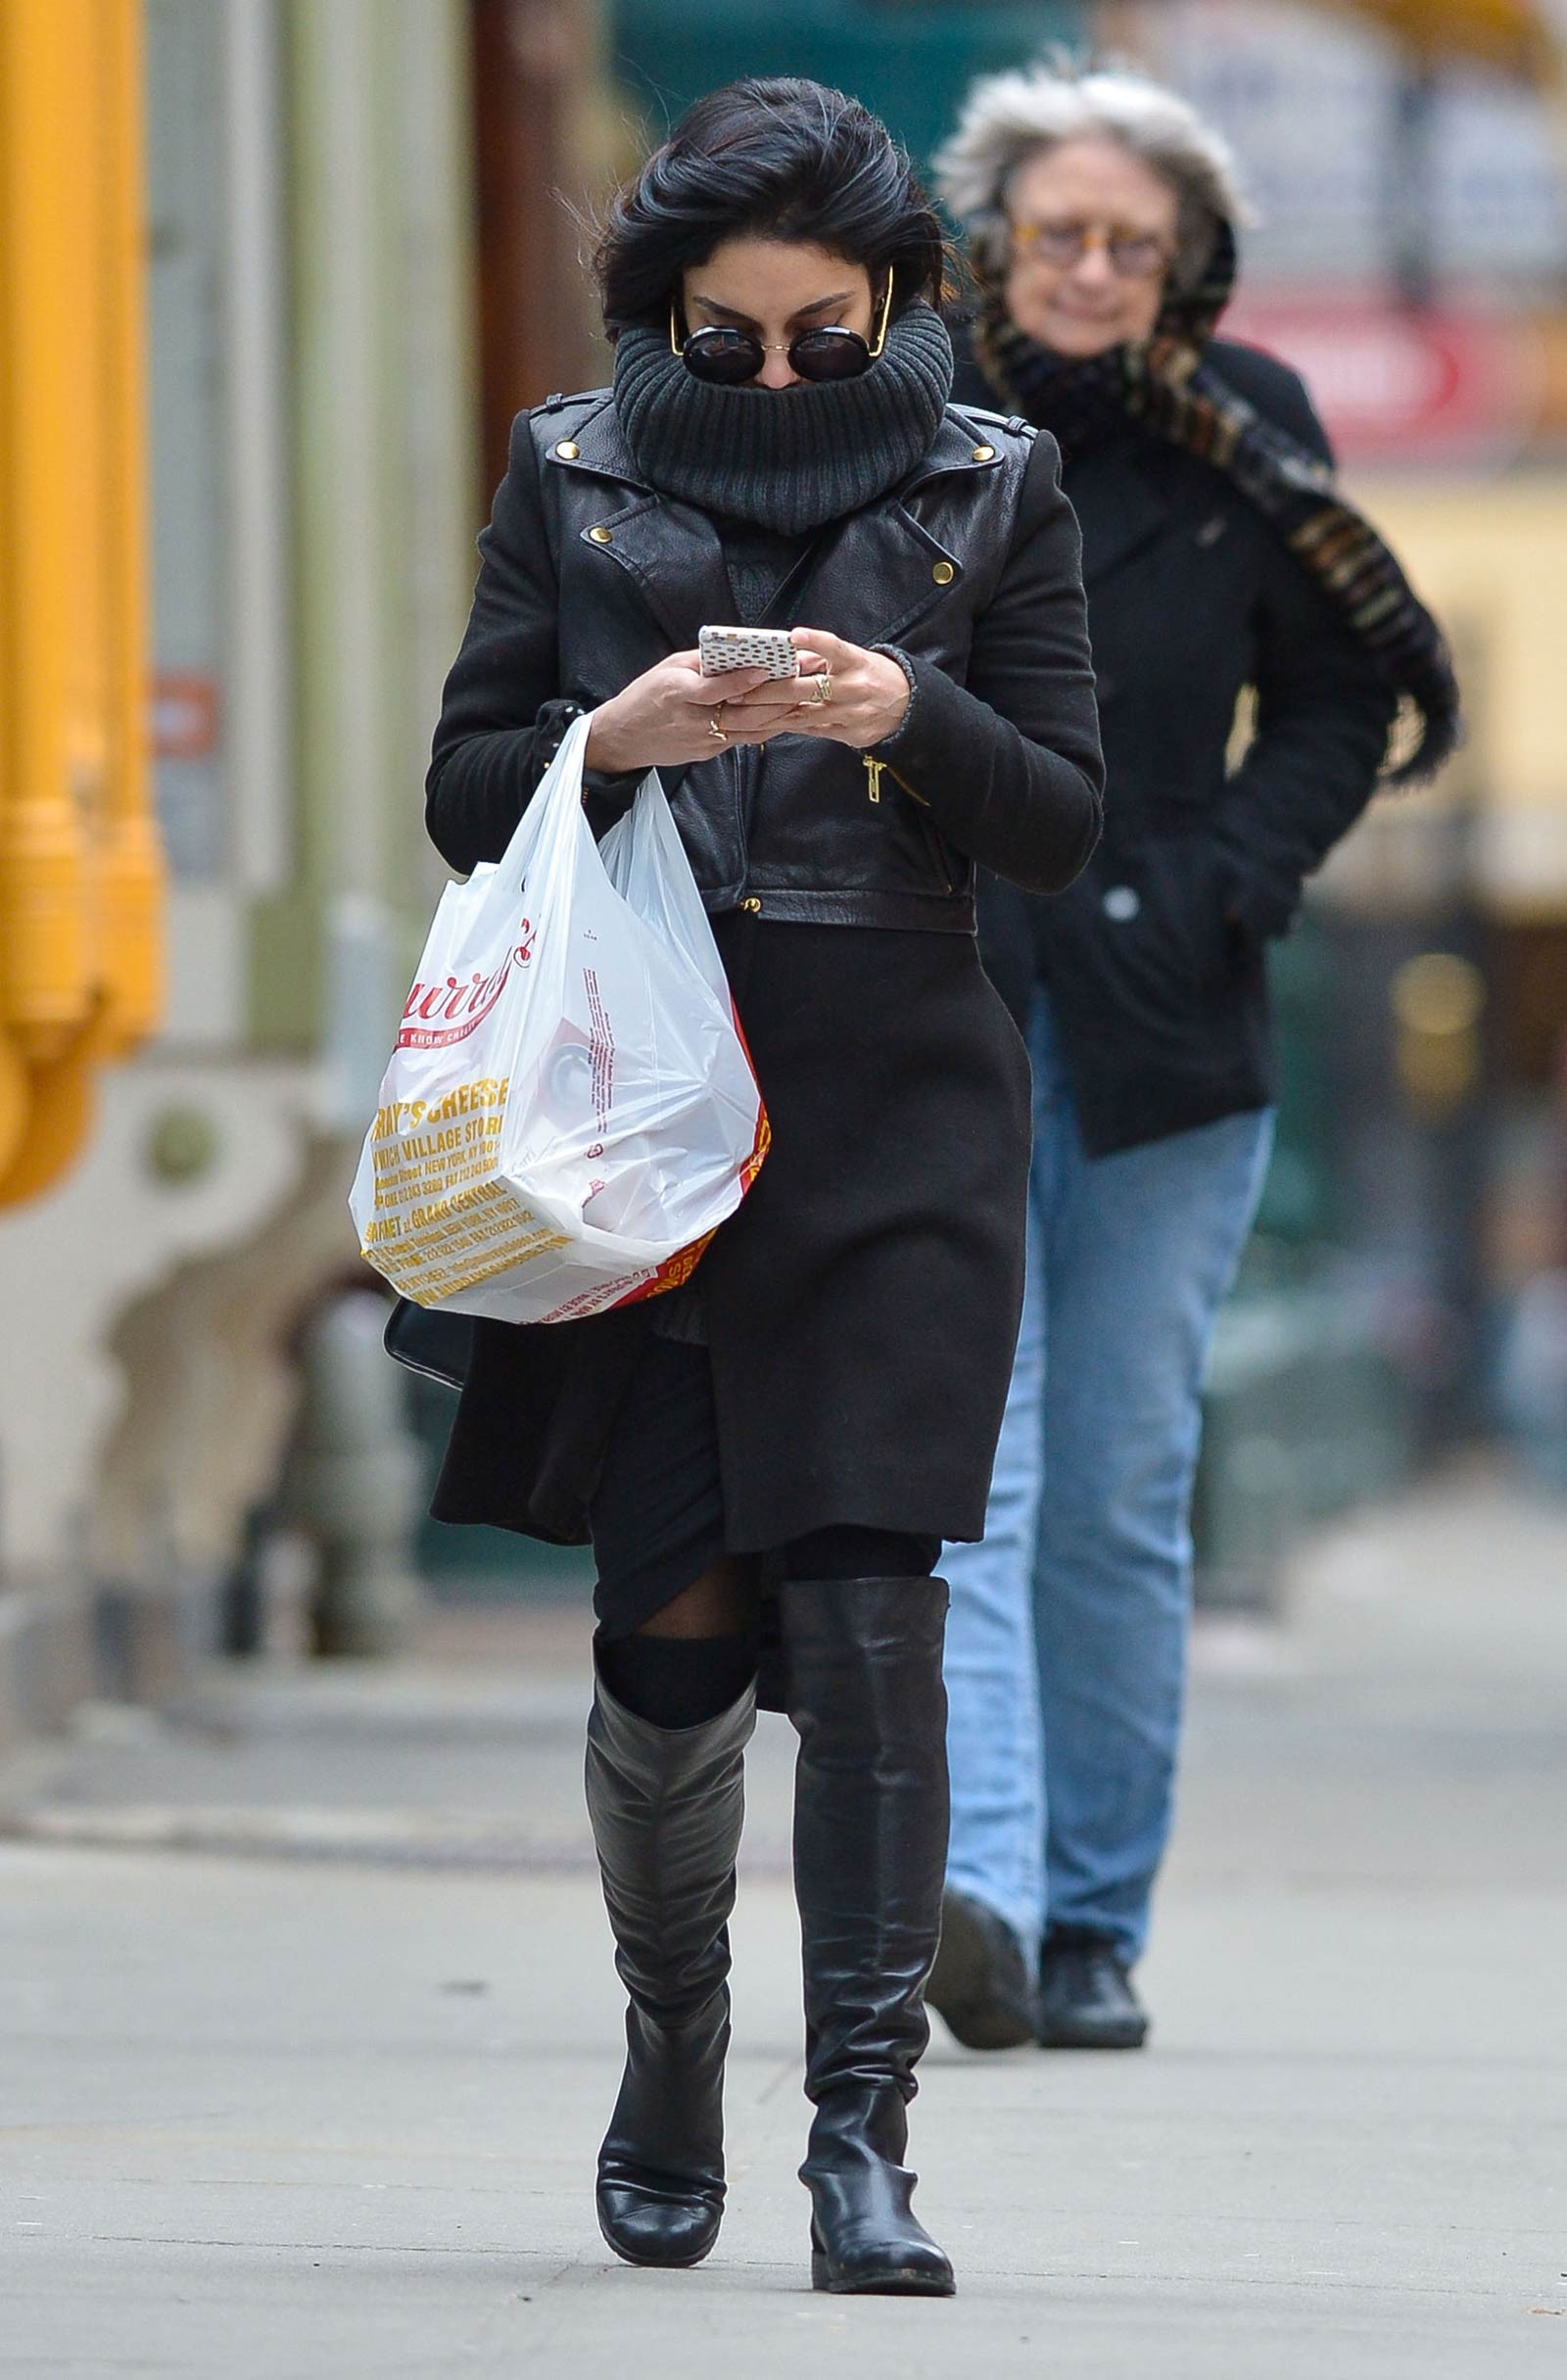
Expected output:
{"points": [[767, 1463], [1218, 554]]}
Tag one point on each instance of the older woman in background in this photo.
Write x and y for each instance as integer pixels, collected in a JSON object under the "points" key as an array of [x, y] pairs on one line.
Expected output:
{"points": [[1217, 555]]}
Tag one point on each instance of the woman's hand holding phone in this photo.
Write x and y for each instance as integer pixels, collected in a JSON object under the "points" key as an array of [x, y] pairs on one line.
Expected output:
{"points": [[664, 719], [869, 697]]}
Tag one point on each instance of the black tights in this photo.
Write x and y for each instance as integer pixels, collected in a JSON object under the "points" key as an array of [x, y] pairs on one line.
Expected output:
{"points": [[680, 1681]]}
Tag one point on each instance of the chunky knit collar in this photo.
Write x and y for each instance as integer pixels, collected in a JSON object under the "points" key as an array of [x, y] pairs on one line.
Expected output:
{"points": [[787, 458]]}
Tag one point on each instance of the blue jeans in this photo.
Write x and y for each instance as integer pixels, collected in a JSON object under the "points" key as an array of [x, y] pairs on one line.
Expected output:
{"points": [[1067, 1643]]}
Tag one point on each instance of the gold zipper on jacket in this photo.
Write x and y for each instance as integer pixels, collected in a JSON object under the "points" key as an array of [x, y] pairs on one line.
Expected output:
{"points": [[875, 770]]}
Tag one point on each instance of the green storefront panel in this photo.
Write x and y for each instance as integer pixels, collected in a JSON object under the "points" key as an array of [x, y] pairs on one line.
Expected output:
{"points": [[909, 62]]}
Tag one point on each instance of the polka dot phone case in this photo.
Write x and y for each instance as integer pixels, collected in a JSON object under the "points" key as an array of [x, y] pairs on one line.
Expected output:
{"points": [[726, 648]]}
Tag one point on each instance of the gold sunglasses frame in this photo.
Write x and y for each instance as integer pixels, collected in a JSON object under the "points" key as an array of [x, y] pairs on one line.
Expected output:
{"points": [[676, 345]]}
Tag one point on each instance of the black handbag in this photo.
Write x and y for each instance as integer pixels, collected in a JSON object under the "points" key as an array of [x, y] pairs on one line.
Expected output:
{"points": [[438, 1345]]}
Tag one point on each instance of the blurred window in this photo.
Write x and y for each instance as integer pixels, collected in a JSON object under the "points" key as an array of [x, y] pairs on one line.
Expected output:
{"points": [[187, 260]]}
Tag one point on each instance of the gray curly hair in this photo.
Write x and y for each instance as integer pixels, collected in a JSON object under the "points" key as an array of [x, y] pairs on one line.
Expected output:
{"points": [[1006, 118]]}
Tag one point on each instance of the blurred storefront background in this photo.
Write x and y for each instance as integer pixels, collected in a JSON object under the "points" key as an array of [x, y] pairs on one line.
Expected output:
{"points": [[365, 225]]}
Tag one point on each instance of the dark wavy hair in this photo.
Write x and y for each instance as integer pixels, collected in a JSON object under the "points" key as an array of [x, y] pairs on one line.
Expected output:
{"points": [[773, 158]]}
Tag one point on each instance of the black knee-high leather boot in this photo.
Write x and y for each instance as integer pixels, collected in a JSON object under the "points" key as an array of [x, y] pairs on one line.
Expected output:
{"points": [[863, 1660], [666, 1805]]}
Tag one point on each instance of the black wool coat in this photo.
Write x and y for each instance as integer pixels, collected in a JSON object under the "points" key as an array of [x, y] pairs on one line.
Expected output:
{"points": [[1155, 958], [861, 1307]]}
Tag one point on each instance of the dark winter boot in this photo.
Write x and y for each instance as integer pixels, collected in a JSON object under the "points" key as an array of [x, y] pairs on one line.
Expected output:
{"points": [[1086, 1996], [866, 1700], [666, 1805], [980, 1981]]}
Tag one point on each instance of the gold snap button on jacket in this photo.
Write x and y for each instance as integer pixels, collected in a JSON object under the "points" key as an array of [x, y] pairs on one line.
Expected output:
{"points": [[601, 535], [942, 573], [981, 453], [568, 449]]}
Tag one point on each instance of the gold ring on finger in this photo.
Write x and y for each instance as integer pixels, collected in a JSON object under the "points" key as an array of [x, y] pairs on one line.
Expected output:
{"points": [[822, 689], [715, 726]]}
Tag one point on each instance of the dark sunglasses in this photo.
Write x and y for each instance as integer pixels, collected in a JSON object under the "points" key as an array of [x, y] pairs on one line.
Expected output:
{"points": [[730, 358]]}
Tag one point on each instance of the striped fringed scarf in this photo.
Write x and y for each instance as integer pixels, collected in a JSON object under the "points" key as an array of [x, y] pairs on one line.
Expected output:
{"points": [[1166, 386]]}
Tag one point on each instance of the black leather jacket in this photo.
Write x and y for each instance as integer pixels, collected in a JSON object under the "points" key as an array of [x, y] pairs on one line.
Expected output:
{"points": [[969, 571]]}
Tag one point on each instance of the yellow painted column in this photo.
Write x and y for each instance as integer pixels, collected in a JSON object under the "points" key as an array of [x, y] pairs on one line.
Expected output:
{"points": [[80, 885], [131, 884]]}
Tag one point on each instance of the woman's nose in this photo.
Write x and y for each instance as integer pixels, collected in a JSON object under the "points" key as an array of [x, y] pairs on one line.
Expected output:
{"points": [[1093, 269], [776, 372]]}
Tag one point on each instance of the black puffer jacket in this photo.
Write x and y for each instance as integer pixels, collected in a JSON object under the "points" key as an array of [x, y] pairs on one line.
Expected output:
{"points": [[968, 570]]}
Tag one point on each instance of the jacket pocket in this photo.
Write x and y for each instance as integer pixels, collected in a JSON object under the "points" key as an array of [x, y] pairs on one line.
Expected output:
{"points": [[939, 856], [912, 822], [1166, 904]]}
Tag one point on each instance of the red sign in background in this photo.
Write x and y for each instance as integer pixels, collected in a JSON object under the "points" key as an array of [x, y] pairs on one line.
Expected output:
{"points": [[1394, 386], [183, 722]]}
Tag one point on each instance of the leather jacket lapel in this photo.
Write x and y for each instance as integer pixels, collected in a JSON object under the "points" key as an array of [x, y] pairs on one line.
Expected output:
{"points": [[869, 578], [875, 574], [672, 552]]}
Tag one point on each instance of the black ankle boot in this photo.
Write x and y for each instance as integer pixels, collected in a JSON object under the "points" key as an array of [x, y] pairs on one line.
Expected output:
{"points": [[981, 1982], [666, 1806], [1086, 1996], [866, 1698]]}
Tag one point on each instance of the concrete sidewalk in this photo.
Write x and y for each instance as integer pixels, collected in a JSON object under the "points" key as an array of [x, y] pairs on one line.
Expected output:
{"points": [[328, 2102]]}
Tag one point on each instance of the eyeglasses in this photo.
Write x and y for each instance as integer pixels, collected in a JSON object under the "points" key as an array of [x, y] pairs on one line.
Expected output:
{"points": [[1134, 256], [730, 358]]}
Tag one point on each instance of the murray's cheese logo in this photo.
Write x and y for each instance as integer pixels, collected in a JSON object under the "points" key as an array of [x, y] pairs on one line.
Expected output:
{"points": [[435, 1013]]}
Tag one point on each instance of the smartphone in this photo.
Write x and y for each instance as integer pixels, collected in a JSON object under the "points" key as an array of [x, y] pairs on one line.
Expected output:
{"points": [[768, 648]]}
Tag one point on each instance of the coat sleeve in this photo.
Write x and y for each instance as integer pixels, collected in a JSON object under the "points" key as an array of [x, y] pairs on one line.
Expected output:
{"points": [[1009, 765], [1323, 710], [502, 716]]}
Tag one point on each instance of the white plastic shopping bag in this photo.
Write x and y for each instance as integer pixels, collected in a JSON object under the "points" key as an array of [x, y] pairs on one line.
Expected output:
{"points": [[570, 1110]]}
